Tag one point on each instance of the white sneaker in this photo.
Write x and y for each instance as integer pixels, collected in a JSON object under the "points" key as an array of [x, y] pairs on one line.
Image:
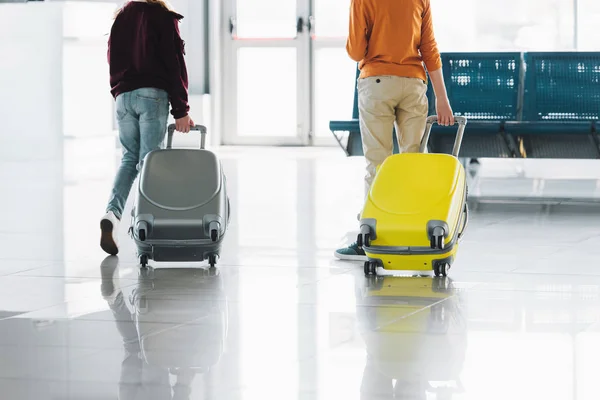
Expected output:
{"points": [[108, 241]]}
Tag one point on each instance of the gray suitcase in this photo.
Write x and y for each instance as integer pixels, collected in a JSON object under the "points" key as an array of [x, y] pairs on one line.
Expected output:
{"points": [[181, 211]]}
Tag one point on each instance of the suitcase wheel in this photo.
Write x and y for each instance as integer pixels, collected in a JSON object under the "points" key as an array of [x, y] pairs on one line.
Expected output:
{"points": [[437, 238], [437, 242], [142, 230], [363, 240], [441, 269], [212, 260], [144, 260], [371, 268], [214, 229]]}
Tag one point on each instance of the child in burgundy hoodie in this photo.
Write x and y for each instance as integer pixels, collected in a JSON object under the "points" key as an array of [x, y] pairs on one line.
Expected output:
{"points": [[147, 72]]}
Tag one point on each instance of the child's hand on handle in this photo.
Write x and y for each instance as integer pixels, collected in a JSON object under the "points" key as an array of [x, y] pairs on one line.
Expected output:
{"points": [[442, 104], [184, 124], [444, 112]]}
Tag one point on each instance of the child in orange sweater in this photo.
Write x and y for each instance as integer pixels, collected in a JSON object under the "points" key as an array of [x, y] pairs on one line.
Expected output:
{"points": [[393, 42]]}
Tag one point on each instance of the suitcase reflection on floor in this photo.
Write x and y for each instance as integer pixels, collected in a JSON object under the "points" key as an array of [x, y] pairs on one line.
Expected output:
{"points": [[175, 330], [415, 333]]}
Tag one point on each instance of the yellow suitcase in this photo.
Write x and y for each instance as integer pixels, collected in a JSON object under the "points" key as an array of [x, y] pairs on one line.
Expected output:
{"points": [[416, 211]]}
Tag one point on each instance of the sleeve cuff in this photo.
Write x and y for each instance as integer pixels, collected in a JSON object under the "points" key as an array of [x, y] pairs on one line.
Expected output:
{"points": [[434, 65], [179, 113]]}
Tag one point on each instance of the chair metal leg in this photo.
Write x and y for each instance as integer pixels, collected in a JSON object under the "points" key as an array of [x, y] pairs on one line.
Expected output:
{"points": [[339, 140]]}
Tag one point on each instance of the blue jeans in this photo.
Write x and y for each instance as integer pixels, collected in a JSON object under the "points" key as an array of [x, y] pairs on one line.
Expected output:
{"points": [[142, 116]]}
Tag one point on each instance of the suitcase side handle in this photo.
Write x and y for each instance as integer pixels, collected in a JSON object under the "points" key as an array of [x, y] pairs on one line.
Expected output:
{"points": [[199, 128], [462, 123]]}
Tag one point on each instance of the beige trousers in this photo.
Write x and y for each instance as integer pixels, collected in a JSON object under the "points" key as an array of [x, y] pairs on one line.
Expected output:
{"points": [[383, 101]]}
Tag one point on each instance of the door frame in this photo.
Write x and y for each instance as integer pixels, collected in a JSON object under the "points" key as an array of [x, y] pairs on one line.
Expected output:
{"points": [[307, 44], [230, 79]]}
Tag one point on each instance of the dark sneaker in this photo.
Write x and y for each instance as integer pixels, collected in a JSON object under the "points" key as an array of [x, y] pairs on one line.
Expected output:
{"points": [[351, 253]]}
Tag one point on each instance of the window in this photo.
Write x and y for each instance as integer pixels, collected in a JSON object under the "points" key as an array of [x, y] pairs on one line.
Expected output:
{"points": [[507, 25], [588, 34]]}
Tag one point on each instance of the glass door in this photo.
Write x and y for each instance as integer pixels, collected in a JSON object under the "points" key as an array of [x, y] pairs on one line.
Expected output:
{"points": [[332, 70], [266, 80], [286, 71]]}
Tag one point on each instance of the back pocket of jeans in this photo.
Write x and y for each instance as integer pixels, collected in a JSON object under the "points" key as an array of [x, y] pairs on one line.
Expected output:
{"points": [[150, 102]]}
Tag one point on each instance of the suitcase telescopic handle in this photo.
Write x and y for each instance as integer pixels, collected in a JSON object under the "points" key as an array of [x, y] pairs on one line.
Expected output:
{"points": [[462, 123], [199, 128]]}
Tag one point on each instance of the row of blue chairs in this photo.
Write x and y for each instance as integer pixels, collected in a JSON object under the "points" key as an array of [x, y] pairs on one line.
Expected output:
{"points": [[523, 105]]}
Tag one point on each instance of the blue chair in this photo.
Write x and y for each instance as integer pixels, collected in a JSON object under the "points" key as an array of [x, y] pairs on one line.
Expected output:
{"points": [[352, 126], [484, 87], [481, 86], [561, 106]]}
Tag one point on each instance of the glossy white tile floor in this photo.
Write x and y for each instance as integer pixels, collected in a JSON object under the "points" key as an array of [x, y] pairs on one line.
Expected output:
{"points": [[519, 318]]}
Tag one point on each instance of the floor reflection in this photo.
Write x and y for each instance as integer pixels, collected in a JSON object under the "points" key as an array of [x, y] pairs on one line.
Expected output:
{"points": [[415, 334], [176, 329], [284, 319]]}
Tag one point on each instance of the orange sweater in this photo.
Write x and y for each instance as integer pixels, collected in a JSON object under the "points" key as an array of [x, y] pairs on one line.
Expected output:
{"points": [[392, 37]]}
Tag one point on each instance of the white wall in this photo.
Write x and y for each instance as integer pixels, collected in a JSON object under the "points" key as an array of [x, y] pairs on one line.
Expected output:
{"points": [[55, 74], [31, 116], [53, 83], [30, 79]]}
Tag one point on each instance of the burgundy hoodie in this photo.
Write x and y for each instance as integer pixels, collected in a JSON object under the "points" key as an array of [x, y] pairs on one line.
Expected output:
{"points": [[145, 49]]}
